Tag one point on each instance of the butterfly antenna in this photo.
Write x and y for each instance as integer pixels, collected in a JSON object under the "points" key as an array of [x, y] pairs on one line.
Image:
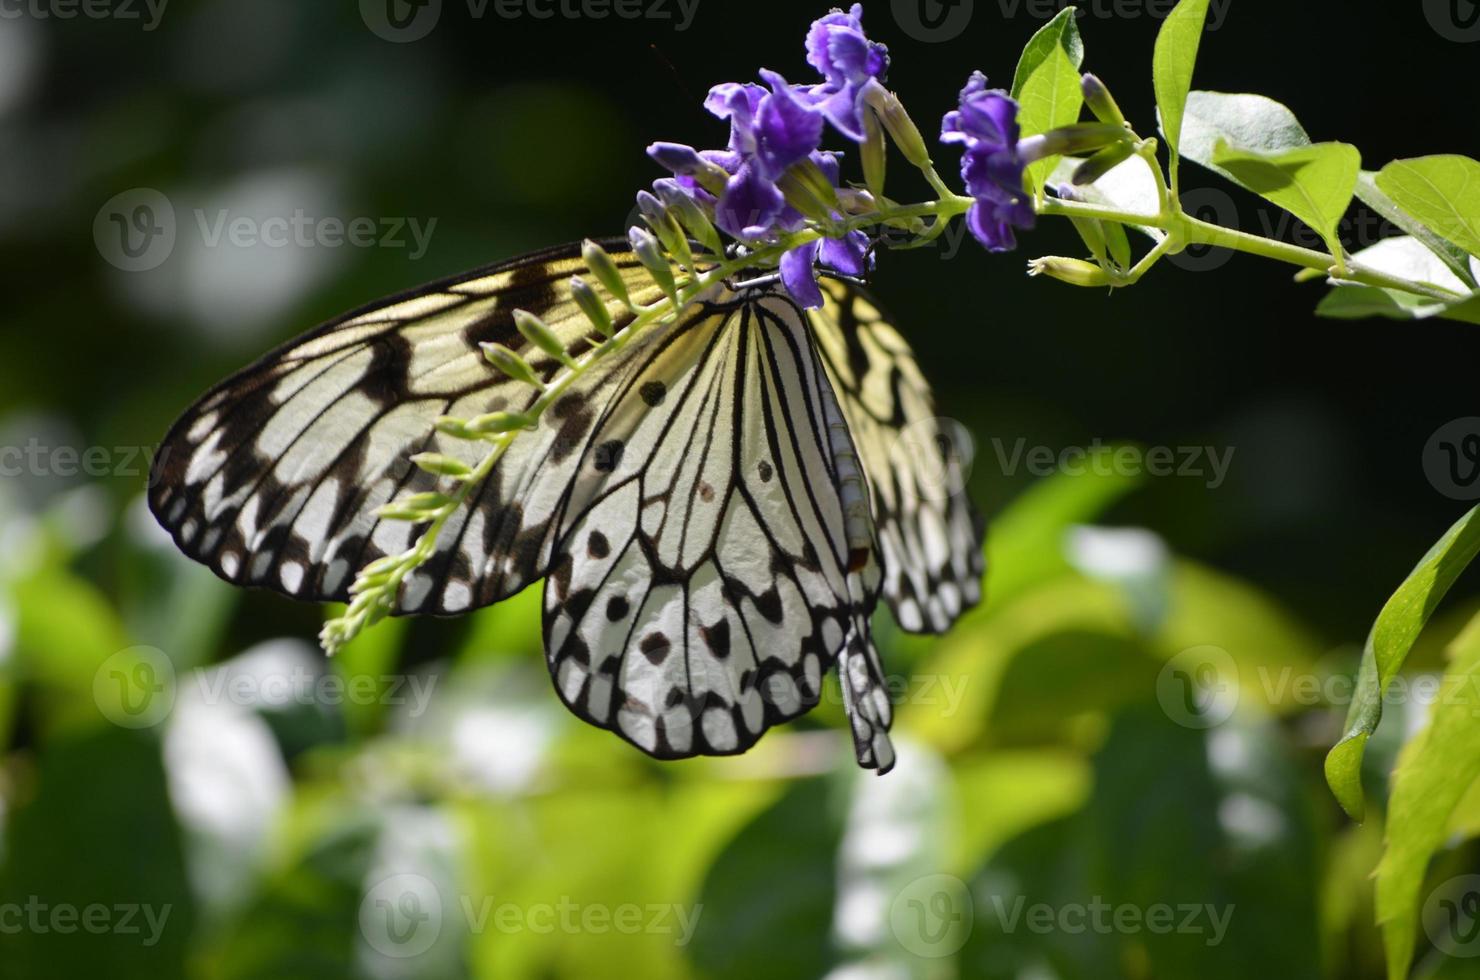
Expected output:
{"points": [[683, 86]]}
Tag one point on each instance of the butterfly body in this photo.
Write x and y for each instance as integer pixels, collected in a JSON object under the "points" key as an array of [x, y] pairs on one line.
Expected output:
{"points": [[716, 508]]}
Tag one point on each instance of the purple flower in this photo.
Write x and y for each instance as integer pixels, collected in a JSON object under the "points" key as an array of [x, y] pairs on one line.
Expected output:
{"points": [[850, 63], [992, 166], [847, 255]]}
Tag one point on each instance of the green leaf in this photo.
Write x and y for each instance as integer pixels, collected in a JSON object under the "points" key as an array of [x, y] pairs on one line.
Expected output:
{"points": [[1392, 636], [1450, 254], [1315, 183], [1441, 191], [1172, 65], [1046, 84], [1249, 122], [1407, 258], [1432, 777]]}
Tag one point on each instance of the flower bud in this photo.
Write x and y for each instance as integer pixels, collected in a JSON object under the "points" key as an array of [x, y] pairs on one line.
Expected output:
{"points": [[897, 121], [685, 161], [440, 465], [591, 305], [874, 153], [1075, 272], [534, 330], [495, 423], [605, 270], [1103, 162], [690, 215], [1100, 101], [1075, 139], [511, 364], [652, 259], [664, 227]]}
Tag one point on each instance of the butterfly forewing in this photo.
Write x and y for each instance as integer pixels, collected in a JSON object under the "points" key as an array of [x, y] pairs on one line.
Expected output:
{"points": [[275, 476]]}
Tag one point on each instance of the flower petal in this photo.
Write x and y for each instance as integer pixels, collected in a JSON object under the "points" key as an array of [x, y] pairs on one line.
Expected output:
{"points": [[799, 275], [848, 255], [750, 205]]}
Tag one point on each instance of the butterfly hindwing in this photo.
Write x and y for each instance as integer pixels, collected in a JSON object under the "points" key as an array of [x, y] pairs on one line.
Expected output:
{"points": [[706, 581], [929, 534]]}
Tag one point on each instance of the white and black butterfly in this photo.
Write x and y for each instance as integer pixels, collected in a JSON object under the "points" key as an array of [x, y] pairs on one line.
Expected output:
{"points": [[716, 510]]}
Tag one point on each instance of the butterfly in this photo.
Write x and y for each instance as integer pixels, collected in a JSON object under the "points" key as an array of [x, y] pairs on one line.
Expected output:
{"points": [[716, 510]]}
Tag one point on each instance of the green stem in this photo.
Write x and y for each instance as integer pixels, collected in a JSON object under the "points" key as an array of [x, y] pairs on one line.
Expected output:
{"points": [[1193, 231]]}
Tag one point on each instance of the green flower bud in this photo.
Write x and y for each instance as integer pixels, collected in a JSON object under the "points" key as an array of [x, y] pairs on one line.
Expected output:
{"points": [[499, 422], [692, 218], [605, 270], [652, 259], [1100, 101], [511, 364], [1103, 162], [1075, 272], [875, 154], [897, 121], [534, 330], [440, 465], [1075, 139], [591, 305]]}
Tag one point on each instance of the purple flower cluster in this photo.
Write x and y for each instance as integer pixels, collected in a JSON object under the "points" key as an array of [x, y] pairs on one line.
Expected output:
{"points": [[774, 128], [992, 166]]}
